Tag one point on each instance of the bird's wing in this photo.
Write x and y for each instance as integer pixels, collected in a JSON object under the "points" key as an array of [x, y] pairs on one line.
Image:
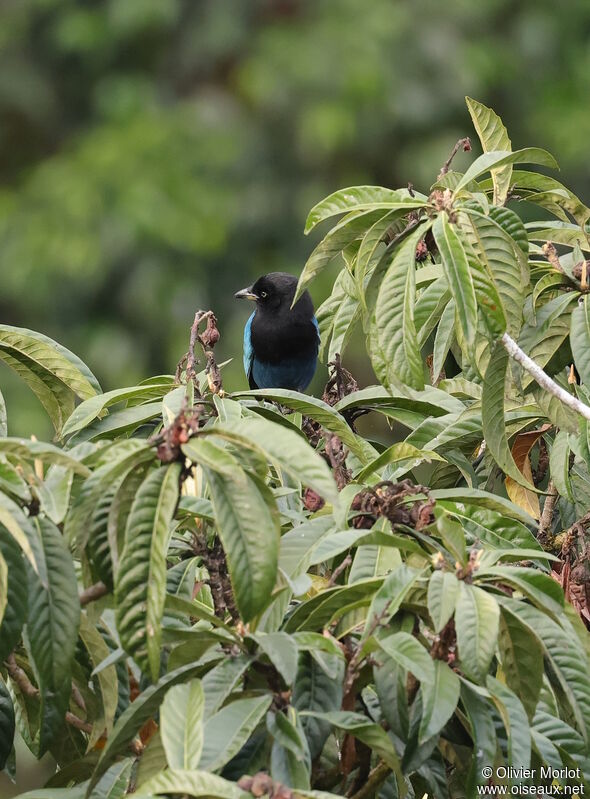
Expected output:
{"points": [[248, 351], [317, 327]]}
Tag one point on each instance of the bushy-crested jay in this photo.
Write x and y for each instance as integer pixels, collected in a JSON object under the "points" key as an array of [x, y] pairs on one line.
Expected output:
{"points": [[280, 343]]}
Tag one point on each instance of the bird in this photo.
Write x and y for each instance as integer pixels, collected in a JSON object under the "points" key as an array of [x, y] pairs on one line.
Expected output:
{"points": [[280, 343]]}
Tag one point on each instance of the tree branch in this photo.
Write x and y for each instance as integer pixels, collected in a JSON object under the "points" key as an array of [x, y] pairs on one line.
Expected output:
{"points": [[93, 592], [376, 777], [546, 520], [543, 378]]}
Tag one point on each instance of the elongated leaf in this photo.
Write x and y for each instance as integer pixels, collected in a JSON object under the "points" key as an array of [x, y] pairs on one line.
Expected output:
{"points": [[249, 531], [457, 274], [477, 618], [580, 339], [366, 731], [281, 650], [503, 262], [221, 681], [390, 595], [3, 417], [181, 725], [320, 412], [39, 450], [228, 730], [7, 724], [443, 339], [55, 374], [540, 588], [135, 716], [280, 445], [114, 784], [372, 247], [522, 659], [521, 448], [559, 464], [395, 313], [410, 654], [493, 416], [140, 586], [439, 700], [515, 722], [16, 594], [483, 735], [94, 407], [499, 158], [332, 603], [443, 589], [98, 652], [493, 136], [191, 783], [361, 198], [318, 690], [402, 455], [52, 628]]}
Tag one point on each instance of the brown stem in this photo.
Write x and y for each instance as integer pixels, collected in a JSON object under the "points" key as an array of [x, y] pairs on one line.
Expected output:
{"points": [[19, 676], [546, 521], [93, 592], [78, 723], [339, 569], [374, 780], [462, 144]]}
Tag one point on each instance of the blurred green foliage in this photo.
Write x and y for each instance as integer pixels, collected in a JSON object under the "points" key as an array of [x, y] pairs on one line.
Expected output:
{"points": [[157, 155]]}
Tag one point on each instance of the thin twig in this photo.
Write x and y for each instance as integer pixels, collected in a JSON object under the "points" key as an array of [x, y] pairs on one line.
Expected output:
{"points": [[339, 569], [543, 378], [464, 144], [546, 521], [78, 723], [93, 592], [25, 686], [374, 780]]}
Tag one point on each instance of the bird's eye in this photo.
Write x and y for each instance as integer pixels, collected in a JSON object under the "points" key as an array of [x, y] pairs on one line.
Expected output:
{"points": [[263, 294]]}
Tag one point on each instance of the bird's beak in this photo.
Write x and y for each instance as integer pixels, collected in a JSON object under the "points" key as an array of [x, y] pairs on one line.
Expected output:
{"points": [[246, 294]]}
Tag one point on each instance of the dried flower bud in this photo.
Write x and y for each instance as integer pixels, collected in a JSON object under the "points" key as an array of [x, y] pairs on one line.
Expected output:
{"points": [[312, 500], [421, 250], [210, 337], [466, 144]]}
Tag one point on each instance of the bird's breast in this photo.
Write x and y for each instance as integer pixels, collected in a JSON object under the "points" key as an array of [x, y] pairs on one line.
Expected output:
{"points": [[280, 338]]}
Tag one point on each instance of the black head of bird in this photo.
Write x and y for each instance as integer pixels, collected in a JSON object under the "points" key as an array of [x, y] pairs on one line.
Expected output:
{"points": [[280, 342]]}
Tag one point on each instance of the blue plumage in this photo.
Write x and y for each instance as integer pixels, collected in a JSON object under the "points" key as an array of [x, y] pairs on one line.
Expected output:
{"points": [[280, 343]]}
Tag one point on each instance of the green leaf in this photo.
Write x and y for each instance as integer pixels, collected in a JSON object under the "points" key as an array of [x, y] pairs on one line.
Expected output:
{"points": [[395, 311], [320, 412], [458, 275], [332, 603], [559, 464], [403, 455], [540, 588], [347, 231], [391, 594], [443, 589], [483, 499], [249, 530], [52, 628], [137, 713], [281, 650], [477, 617], [443, 339], [368, 732], [191, 783], [372, 248], [140, 585], [219, 683], [493, 136], [499, 158], [453, 537], [439, 700], [515, 722], [580, 338], [55, 374], [95, 407], [361, 198], [98, 652], [504, 263], [521, 654], [282, 446], [181, 725], [3, 417], [318, 687], [230, 728], [7, 724], [46, 453], [410, 654], [16, 594], [483, 735], [114, 783], [493, 415]]}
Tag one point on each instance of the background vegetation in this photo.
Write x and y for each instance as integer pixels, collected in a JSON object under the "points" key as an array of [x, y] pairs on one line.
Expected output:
{"points": [[149, 146]]}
